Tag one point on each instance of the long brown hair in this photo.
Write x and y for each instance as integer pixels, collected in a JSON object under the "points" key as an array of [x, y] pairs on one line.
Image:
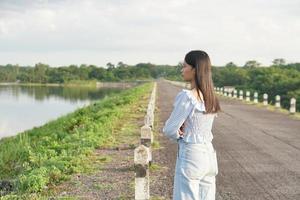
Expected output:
{"points": [[203, 78]]}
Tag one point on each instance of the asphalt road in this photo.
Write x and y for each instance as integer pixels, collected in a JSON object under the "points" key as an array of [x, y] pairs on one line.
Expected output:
{"points": [[258, 150]]}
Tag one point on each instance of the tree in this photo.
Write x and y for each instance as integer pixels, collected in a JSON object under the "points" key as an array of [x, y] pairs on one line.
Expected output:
{"points": [[110, 66], [252, 63], [40, 72], [83, 72], [179, 66], [121, 65], [230, 64], [97, 73], [278, 62]]}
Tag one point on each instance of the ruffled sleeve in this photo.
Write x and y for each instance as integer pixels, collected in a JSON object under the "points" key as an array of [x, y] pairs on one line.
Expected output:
{"points": [[200, 106], [182, 107]]}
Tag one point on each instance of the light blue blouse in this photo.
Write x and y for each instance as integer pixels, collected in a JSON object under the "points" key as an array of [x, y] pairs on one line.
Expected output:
{"points": [[187, 109]]}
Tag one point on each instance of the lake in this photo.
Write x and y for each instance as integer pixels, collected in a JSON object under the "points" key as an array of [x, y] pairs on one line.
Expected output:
{"points": [[24, 107]]}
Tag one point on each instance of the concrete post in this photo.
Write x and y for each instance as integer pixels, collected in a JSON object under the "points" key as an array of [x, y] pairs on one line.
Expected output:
{"points": [[277, 103], [141, 168], [247, 95], [229, 93], [265, 102], [147, 139], [293, 105], [241, 95], [255, 97], [235, 94]]}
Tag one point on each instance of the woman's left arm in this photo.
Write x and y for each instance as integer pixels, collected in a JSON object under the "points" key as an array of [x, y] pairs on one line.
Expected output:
{"points": [[182, 108]]}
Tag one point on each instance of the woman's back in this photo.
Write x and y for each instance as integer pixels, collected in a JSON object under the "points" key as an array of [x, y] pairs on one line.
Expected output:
{"points": [[190, 124], [198, 125]]}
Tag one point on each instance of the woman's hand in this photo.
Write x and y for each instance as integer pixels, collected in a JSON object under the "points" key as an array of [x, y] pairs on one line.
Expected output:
{"points": [[181, 130]]}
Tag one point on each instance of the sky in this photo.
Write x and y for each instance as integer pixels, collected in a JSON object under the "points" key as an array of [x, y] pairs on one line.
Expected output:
{"points": [[65, 32]]}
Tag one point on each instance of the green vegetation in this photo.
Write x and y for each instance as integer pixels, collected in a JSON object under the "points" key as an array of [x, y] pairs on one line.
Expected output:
{"points": [[85, 83], [279, 78], [155, 144], [154, 167], [42, 157], [157, 198], [43, 73], [283, 80]]}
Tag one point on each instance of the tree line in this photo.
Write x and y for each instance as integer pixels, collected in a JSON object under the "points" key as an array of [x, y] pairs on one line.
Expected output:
{"points": [[43, 73], [280, 78]]}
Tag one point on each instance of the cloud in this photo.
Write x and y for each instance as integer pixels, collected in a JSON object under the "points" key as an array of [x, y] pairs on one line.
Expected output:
{"points": [[96, 32]]}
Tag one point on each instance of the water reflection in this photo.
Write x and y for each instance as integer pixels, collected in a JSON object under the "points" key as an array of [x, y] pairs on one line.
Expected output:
{"points": [[23, 107]]}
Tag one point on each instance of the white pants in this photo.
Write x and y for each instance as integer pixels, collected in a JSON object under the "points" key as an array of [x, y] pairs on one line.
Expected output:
{"points": [[195, 172]]}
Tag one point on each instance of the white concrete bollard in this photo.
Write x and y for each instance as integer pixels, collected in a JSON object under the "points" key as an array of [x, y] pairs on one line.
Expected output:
{"points": [[277, 103], [247, 95], [293, 105], [225, 93], [265, 102], [241, 95], [146, 135], [141, 168], [147, 120], [147, 139], [235, 94], [255, 97], [229, 93]]}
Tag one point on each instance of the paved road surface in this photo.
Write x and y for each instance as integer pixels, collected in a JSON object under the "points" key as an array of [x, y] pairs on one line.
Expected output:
{"points": [[258, 150]]}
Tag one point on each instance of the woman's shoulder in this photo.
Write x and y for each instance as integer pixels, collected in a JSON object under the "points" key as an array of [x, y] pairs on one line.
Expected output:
{"points": [[183, 95], [187, 96], [180, 96]]}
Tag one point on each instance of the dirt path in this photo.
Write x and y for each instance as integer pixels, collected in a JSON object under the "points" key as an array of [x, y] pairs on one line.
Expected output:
{"points": [[111, 176], [161, 185], [258, 151]]}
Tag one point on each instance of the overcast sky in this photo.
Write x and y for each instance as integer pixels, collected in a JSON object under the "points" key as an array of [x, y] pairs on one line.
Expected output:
{"points": [[64, 32]]}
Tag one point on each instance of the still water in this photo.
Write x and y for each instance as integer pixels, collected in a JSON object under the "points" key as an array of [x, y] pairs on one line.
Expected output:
{"points": [[23, 107]]}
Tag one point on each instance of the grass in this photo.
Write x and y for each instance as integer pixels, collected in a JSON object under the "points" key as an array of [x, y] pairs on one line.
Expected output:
{"points": [[156, 132], [126, 131], [85, 83], [71, 83], [157, 198], [155, 144], [42, 157], [155, 167]]}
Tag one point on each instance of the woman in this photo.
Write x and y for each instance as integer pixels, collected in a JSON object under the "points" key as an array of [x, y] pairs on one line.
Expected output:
{"points": [[190, 124]]}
